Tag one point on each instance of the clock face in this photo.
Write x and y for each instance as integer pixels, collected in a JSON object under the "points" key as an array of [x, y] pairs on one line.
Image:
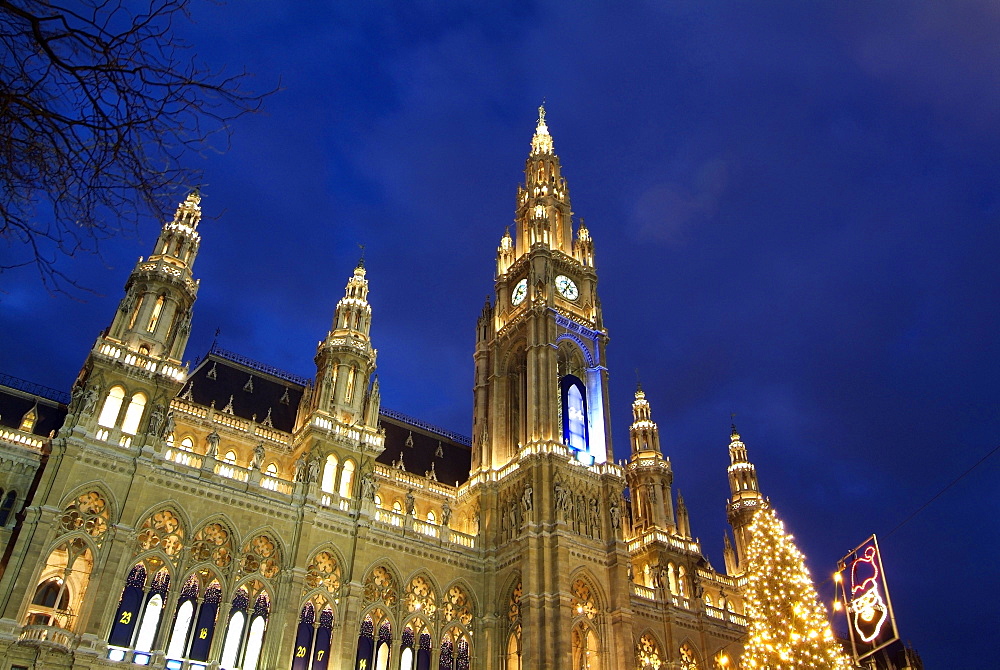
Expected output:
{"points": [[519, 292], [567, 287]]}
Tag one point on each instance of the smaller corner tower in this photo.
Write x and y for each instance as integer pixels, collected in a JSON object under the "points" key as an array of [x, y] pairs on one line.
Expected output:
{"points": [[338, 423], [346, 389], [648, 473], [134, 369], [745, 499]]}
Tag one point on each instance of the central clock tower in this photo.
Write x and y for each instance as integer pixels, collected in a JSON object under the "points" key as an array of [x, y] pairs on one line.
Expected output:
{"points": [[541, 381], [548, 497]]}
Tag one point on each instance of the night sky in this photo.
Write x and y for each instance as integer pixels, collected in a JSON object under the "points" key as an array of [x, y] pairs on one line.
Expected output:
{"points": [[795, 214]]}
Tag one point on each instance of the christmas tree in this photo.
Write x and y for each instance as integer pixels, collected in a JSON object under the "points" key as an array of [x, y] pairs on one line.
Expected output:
{"points": [[788, 628]]}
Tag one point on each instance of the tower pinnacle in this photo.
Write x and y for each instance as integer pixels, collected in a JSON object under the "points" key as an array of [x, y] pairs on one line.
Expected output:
{"points": [[746, 498], [541, 143]]}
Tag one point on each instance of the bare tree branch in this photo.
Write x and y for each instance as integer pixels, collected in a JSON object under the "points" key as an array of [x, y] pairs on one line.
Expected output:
{"points": [[99, 104]]}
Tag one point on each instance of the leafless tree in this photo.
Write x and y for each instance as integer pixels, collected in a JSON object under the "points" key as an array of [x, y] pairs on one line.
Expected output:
{"points": [[99, 104]]}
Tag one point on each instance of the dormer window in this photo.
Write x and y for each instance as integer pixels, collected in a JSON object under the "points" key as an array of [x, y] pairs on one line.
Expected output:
{"points": [[28, 420]]}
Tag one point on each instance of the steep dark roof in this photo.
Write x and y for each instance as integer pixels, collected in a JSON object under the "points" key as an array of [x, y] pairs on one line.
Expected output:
{"points": [[451, 466], [18, 396], [254, 388], [224, 374]]}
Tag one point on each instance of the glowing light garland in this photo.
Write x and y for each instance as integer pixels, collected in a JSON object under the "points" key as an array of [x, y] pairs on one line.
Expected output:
{"points": [[788, 628]]}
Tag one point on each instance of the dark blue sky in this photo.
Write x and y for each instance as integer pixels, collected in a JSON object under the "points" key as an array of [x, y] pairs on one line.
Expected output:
{"points": [[795, 213]]}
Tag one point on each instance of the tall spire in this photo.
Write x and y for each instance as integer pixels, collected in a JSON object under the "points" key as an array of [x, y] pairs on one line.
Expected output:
{"points": [[648, 473], [154, 317], [544, 216], [644, 434], [745, 495], [345, 359]]}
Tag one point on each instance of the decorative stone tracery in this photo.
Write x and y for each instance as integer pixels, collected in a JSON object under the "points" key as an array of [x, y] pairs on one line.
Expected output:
{"points": [[380, 586], [583, 599], [213, 543], [420, 596], [458, 606], [161, 530], [260, 554], [88, 512], [324, 572]]}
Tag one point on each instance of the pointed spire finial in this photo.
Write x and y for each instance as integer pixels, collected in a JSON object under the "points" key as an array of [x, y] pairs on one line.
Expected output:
{"points": [[638, 382], [541, 143], [361, 261]]}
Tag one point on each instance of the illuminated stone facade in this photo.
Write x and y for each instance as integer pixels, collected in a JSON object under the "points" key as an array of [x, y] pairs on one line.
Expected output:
{"points": [[237, 516]]}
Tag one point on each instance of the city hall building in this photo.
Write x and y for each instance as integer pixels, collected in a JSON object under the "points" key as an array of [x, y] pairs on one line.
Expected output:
{"points": [[237, 516]]}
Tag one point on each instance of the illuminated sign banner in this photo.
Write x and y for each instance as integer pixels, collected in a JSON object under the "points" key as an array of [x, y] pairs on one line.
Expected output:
{"points": [[866, 599]]}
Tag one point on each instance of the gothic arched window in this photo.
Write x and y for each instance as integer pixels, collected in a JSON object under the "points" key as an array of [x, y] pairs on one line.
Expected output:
{"points": [[183, 618], [112, 406], [383, 646], [347, 479], [329, 480], [585, 649], [574, 404], [133, 414]]}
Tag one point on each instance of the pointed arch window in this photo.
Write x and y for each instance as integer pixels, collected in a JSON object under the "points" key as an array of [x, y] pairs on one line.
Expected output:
{"points": [[206, 621], [183, 618], [574, 405], [349, 387], [313, 638], [112, 406], [127, 615], [152, 612], [154, 318], [234, 629], [584, 648], [347, 479], [255, 638], [383, 646], [329, 481], [133, 414], [406, 645], [366, 642], [455, 650]]}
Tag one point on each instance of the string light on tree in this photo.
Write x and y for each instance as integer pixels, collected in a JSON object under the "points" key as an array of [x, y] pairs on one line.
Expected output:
{"points": [[788, 628]]}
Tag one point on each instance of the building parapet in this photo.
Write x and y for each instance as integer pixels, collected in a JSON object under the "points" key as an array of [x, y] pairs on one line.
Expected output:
{"points": [[22, 438], [141, 362], [656, 535]]}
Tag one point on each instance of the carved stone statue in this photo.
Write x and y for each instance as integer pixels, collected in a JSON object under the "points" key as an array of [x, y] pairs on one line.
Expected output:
{"points": [[616, 516], [562, 497], [156, 421], [257, 462], [312, 473], [90, 401], [368, 486], [213, 440], [76, 399], [300, 469], [170, 425], [526, 498], [445, 513], [410, 502]]}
